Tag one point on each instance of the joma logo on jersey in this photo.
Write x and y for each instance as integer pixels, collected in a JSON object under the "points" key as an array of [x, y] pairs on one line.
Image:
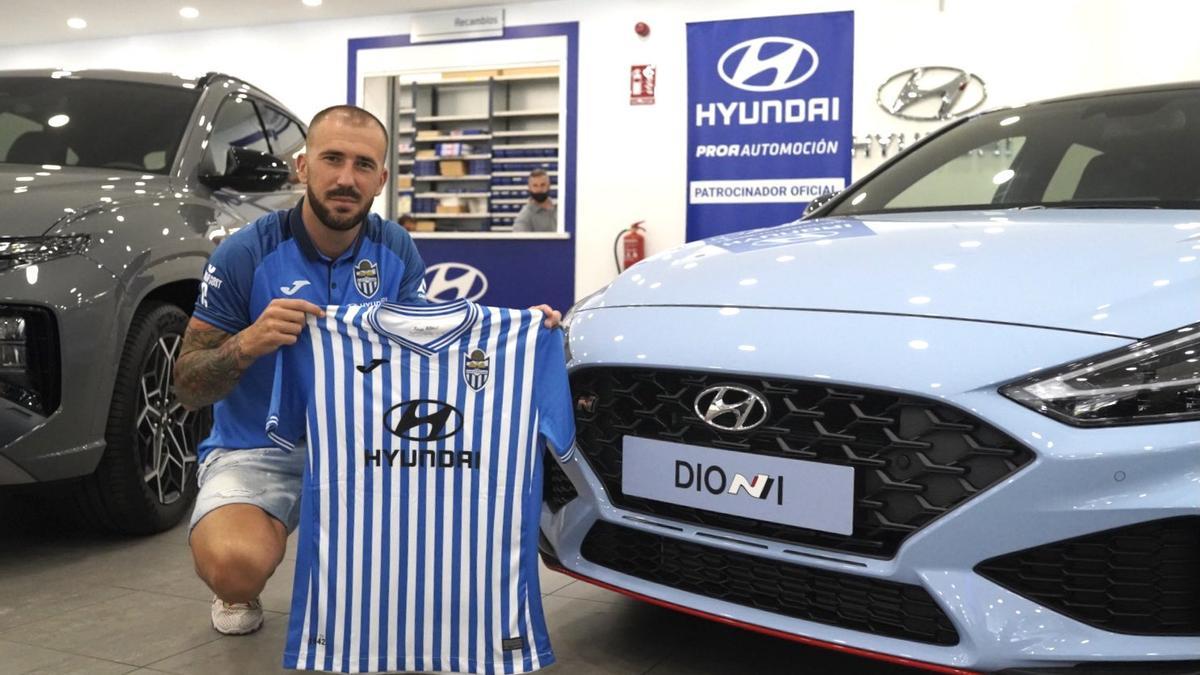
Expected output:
{"points": [[476, 366], [714, 480], [443, 459], [423, 420]]}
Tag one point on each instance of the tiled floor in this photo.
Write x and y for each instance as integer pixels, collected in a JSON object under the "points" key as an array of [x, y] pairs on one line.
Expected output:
{"points": [[76, 602]]}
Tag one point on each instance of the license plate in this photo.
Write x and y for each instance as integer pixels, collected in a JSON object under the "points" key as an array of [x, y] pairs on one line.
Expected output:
{"points": [[785, 491]]}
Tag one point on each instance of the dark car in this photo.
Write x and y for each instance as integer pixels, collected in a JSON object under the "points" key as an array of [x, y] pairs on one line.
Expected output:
{"points": [[114, 189]]}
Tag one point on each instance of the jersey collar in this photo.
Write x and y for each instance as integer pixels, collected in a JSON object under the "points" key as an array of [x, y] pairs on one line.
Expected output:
{"points": [[415, 312], [295, 226]]}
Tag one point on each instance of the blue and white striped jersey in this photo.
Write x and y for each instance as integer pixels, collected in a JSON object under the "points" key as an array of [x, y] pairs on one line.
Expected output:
{"points": [[419, 517]]}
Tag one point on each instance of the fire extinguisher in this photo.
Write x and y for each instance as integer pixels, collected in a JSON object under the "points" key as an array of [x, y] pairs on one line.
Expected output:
{"points": [[633, 248]]}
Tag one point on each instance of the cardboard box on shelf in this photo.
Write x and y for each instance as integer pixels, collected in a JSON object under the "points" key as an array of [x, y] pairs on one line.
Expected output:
{"points": [[444, 207], [427, 153], [452, 167], [469, 74], [427, 133], [453, 149], [403, 181], [530, 70], [425, 226]]}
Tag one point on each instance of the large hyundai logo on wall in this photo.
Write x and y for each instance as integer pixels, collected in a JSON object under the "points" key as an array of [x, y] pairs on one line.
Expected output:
{"points": [[931, 93], [768, 64], [450, 281]]}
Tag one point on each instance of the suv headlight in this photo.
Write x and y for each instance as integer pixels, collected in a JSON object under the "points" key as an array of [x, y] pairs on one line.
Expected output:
{"points": [[33, 250], [1153, 380]]}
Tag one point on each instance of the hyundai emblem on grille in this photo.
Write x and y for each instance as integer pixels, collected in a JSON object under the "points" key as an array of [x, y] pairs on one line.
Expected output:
{"points": [[731, 407]]}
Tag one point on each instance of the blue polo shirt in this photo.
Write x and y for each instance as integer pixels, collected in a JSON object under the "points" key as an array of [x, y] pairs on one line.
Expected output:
{"points": [[275, 258]]}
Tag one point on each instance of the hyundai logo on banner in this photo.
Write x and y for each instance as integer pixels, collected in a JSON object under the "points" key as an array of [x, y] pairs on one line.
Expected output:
{"points": [[450, 281], [768, 64]]}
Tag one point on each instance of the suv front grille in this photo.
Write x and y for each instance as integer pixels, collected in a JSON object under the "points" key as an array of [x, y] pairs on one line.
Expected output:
{"points": [[1141, 579], [858, 603], [914, 459]]}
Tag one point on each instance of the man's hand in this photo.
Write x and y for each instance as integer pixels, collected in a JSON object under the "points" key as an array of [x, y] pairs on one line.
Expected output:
{"points": [[553, 317], [278, 326], [211, 361]]}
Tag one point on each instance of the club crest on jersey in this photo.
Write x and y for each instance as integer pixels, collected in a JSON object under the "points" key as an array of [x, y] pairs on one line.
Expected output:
{"points": [[476, 367], [366, 277]]}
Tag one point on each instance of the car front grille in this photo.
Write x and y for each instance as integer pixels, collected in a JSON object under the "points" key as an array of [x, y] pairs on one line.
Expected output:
{"points": [[557, 489], [914, 459], [857, 603], [1141, 579]]}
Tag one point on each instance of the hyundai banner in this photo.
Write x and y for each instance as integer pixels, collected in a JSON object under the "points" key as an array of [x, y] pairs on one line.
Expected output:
{"points": [[769, 111], [500, 272]]}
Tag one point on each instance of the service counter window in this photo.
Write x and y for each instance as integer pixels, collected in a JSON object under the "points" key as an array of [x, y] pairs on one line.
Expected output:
{"points": [[474, 154]]}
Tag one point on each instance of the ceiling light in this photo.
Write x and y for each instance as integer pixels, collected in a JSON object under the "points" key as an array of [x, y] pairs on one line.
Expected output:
{"points": [[76, 23], [312, 3], [189, 12], [58, 121]]}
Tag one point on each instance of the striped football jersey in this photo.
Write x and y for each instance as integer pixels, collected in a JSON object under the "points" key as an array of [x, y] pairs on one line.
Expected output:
{"points": [[421, 497]]}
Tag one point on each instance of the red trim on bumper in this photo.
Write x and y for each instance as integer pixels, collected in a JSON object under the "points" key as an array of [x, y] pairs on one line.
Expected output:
{"points": [[931, 667]]}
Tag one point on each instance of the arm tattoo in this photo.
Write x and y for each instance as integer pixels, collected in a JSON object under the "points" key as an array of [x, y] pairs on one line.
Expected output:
{"points": [[209, 366]]}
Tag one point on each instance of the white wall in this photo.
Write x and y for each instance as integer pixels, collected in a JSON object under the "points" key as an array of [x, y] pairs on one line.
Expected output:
{"points": [[631, 160]]}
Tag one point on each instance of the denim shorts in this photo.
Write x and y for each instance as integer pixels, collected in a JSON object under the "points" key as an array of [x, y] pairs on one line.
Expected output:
{"points": [[268, 478]]}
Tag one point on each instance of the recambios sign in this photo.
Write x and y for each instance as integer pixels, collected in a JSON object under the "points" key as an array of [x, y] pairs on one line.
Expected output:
{"points": [[765, 65]]}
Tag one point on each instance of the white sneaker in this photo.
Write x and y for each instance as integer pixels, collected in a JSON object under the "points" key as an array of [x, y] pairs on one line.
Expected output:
{"points": [[236, 618]]}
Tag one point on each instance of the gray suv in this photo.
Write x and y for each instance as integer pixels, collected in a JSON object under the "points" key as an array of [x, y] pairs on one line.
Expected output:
{"points": [[114, 189]]}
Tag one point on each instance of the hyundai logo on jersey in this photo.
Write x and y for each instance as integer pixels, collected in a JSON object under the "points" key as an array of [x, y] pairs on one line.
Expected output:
{"points": [[424, 420], [366, 277], [475, 369], [769, 108], [440, 459], [449, 281]]}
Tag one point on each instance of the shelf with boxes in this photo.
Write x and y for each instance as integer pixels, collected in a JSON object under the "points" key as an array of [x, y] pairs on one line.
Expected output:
{"points": [[527, 133], [452, 137], [465, 143], [522, 175], [525, 113], [446, 215]]}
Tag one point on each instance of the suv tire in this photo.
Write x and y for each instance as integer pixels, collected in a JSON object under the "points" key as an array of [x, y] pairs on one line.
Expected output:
{"points": [[146, 479]]}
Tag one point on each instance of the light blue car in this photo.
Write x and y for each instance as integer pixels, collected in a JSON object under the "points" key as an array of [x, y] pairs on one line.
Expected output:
{"points": [[951, 419]]}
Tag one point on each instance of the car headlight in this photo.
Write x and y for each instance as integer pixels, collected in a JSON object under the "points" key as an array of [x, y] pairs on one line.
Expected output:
{"points": [[1153, 380], [33, 250]]}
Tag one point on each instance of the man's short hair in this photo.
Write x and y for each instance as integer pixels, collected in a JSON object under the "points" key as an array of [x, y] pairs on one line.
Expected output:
{"points": [[354, 114], [538, 173]]}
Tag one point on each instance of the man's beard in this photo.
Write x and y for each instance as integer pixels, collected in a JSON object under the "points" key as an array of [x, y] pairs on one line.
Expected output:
{"points": [[336, 221]]}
